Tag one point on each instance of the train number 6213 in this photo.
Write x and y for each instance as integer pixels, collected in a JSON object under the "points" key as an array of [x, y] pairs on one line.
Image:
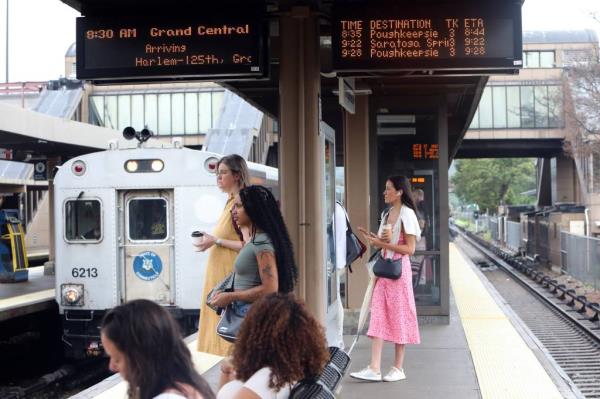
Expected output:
{"points": [[82, 272]]}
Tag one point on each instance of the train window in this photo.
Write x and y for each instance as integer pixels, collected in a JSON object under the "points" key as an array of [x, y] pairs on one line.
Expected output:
{"points": [[83, 220], [147, 219]]}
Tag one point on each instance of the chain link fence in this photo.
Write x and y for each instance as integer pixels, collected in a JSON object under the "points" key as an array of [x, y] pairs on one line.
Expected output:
{"points": [[513, 235], [580, 258], [580, 255]]}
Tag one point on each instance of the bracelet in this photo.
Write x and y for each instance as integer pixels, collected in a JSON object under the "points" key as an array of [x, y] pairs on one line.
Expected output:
{"points": [[219, 242]]}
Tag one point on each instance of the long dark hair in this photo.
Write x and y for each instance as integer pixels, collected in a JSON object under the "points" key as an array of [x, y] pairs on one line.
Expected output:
{"points": [[157, 359], [402, 183], [262, 209], [278, 332]]}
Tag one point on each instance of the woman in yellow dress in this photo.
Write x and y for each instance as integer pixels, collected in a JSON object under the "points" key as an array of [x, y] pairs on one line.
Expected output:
{"points": [[232, 176]]}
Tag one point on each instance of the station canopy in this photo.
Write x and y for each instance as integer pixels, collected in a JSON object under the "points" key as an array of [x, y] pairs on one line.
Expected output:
{"points": [[457, 76]]}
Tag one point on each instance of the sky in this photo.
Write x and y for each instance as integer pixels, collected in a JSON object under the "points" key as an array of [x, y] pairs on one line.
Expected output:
{"points": [[41, 31]]}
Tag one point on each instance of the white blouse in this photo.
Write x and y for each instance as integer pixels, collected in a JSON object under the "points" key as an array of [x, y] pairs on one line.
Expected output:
{"points": [[408, 220], [258, 383]]}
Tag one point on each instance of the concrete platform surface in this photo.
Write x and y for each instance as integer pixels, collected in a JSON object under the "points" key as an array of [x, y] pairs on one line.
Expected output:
{"points": [[440, 367], [34, 295]]}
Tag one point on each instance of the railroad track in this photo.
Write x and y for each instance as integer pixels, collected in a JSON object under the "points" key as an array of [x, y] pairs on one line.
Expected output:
{"points": [[566, 324]]}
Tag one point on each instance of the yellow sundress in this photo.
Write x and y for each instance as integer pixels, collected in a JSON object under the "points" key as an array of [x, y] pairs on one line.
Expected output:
{"points": [[219, 264]]}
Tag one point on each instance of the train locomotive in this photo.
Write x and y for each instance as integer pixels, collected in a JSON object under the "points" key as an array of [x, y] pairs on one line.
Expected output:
{"points": [[123, 219]]}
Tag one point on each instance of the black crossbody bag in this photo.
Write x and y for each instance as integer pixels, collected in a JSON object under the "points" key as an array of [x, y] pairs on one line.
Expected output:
{"points": [[388, 268]]}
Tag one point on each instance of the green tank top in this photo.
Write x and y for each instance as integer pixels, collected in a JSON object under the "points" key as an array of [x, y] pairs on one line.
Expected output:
{"points": [[246, 264]]}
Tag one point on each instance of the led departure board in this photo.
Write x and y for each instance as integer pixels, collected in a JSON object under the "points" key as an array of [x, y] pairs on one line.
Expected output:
{"points": [[161, 47], [427, 37]]}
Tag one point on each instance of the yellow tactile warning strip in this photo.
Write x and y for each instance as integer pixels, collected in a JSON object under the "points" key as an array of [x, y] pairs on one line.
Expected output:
{"points": [[506, 368], [203, 362], [26, 299]]}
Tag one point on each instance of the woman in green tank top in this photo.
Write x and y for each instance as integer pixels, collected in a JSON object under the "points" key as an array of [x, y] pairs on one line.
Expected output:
{"points": [[266, 263]]}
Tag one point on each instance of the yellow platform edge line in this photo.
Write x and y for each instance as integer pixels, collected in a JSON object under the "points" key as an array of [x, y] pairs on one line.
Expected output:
{"points": [[505, 366]]}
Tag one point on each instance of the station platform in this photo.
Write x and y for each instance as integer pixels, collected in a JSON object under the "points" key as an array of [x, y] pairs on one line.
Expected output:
{"points": [[18, 299], [484, 352]]}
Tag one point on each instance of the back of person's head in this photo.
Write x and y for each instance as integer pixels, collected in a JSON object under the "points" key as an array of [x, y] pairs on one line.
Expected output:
{"points": [[279, 332], [238, 167], [156, 358], [262, 209], [402, 183], [418, 194]]}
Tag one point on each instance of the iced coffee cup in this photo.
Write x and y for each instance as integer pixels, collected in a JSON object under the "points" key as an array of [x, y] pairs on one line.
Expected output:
{"points": [[386, 232]]}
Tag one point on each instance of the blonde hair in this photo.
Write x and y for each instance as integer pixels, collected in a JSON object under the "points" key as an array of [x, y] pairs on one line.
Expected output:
{"points": [[238, 167]]}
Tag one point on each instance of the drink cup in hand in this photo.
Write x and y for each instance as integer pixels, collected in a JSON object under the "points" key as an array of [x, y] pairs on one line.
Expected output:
{"points": [[197, 237], [386, 232]]}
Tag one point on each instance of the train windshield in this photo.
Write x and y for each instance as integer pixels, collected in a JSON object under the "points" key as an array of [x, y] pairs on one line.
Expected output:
{"points": [[147, 219], [82, 220]]}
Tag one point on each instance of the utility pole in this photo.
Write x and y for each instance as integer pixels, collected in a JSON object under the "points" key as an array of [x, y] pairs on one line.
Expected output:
{"points": [[6, 41]]}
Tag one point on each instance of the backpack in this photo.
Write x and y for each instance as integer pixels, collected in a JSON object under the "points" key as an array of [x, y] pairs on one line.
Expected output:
{"points": [[354, 247]]}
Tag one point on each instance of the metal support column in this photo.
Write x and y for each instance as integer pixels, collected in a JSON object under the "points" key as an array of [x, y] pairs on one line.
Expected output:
{"points": [[300, 170], [49, 266], [444, 208], [356, 172]]}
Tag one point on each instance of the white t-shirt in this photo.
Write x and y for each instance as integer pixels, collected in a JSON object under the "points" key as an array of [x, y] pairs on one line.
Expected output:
{"points": [[341, 226], [258, 383], [169, 395]]}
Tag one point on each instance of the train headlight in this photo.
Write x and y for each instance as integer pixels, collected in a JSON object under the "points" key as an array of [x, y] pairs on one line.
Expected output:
{"points": [[144, 165], [131, 166], [71, 294], [157, 165]]}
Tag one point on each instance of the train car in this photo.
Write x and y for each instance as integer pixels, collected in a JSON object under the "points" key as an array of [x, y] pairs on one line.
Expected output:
{"points": [[123, 219]]}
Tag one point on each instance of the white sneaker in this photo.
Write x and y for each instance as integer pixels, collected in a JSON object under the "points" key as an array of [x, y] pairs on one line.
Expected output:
{"points": [[395, 374], [366, 374]]}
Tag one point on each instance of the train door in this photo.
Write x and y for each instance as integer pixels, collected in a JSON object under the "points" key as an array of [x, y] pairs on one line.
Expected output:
{"points": [[147, 245]]}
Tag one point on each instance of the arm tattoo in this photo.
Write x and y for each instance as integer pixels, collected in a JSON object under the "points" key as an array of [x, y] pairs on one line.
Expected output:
{"points": [[267, 271]]}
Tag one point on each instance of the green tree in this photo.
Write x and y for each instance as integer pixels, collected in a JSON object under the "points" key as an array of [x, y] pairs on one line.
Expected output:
{"points": [[492, 182]]}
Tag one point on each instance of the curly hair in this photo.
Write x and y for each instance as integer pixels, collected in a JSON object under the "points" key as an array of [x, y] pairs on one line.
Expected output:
{"points": [[278, 332], [262, 209], [157, 358]]}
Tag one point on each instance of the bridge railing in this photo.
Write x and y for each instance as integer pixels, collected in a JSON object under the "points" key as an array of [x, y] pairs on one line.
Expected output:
{"points": [[580, 258]]}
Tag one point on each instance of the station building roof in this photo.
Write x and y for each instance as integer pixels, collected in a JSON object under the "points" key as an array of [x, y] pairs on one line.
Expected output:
{"points": [[39, 134], [71, 51], [560, 36]]}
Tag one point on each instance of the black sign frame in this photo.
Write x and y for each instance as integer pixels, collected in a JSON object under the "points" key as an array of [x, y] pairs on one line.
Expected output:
{"points": [[258, 69], [501, 10]]}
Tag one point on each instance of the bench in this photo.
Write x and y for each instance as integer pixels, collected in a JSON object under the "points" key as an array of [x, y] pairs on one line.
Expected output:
{"points": [[324, 385]]}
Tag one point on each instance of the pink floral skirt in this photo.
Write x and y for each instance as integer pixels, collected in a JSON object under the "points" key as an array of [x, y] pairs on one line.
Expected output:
{"points": [[393, 311]]}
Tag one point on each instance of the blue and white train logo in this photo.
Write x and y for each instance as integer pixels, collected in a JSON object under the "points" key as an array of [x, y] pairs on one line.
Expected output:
{"points": [[147, 265]]}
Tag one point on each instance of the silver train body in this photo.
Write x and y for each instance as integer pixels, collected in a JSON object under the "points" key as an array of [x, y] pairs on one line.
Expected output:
{"points": [[123, 219]]}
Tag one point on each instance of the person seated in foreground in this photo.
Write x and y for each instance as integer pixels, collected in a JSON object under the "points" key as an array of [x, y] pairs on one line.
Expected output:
{"points": [[279, 343], [145, 347]]}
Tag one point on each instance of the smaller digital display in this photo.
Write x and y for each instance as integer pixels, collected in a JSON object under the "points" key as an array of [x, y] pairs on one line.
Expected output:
{"points": [[417, 180], [425, 151]]}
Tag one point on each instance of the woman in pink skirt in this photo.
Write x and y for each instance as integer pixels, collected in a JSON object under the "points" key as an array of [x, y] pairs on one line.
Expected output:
{"points": [[393, 311]]}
